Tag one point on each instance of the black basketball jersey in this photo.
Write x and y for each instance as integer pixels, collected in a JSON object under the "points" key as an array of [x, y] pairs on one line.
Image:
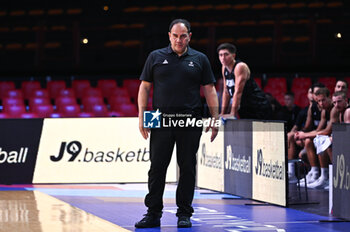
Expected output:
{"points": [[253, 98]]}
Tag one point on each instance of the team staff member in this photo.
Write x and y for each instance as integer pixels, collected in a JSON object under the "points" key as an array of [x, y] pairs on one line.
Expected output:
{"points": [[176, 72], [248, 100]]}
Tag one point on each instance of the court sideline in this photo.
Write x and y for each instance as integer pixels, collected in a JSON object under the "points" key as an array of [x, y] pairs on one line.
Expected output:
{"points": [[116, 207]]}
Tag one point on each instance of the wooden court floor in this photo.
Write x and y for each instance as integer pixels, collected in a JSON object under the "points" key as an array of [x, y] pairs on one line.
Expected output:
{"points": [[116, 207]]}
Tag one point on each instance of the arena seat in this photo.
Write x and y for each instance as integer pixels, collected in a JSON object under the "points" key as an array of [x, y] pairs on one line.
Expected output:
{"points": [[29, 115], [86, 115], [71, 110], [301, 83], [4, 86], [115, 114], [90, 101], [106, 86], [56, 115], [277, 87], [347, 79], [14, 111], [42, 93], [99, 110], [42, 111], [55, 86], [4, 115], [117, 100], [38, 101], [329, 82], [128, 110], [62, 101], [79, 86], [13, 93], [258, 81], [300, 87], [12, 102], [28, 87], [132, 85], [119, 92], [96, 92], [68, 92]]}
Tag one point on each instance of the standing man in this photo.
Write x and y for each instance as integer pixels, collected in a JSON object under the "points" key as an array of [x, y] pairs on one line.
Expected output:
{"points": [[248, 100], [176, 72]]}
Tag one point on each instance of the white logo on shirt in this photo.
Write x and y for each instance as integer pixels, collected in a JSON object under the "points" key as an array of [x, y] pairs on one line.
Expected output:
{"points": [[230, 82], [191, 64], [165, 62]]}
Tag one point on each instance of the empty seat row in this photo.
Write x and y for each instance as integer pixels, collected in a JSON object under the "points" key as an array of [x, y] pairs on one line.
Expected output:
{"points": [[81, 100], [238, 6]]}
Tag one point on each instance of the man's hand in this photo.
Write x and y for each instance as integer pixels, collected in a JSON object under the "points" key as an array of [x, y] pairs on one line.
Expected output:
{"points": [[144, 131], [229, 116], [214, 130], [299, 135]]}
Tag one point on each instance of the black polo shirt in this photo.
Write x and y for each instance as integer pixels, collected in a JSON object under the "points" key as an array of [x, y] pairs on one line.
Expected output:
{"points": [[176, 80]]}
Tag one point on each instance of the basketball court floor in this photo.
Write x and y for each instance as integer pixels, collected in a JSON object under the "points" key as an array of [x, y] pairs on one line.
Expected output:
{"points": [[116, 207]]}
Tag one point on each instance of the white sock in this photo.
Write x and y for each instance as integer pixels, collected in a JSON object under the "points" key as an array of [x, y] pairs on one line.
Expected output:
{"points": [[291, 168]]}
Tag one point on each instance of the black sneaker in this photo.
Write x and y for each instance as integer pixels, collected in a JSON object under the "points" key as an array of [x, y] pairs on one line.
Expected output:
{"points": [[184, 222], [149, 221]]}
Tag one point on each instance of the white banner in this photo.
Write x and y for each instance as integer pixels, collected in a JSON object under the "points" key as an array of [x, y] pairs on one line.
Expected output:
{"points": [[210, 159], [94, 150], [269, 162]]}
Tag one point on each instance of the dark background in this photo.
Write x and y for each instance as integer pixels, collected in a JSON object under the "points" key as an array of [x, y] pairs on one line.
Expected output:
{"points": [[288, 38]]}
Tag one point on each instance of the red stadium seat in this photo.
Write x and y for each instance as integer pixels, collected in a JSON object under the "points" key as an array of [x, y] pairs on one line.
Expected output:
{"points": [[258, 81], [42, 111], [301, 83], [128, 110], [54, 87], [329, 82], [42, 93], [56, 115], [277, 87], [72, 110], [300, 87], [132, 85], [79, 86], [13, 93], [62, 101], [29, 115], [38, 101], [4, 115], [4, 86], [12, 101], [68, 92], [86, 115], [14, 111], [347, 79], [115, 114], [90, 101], [99, 110], [29, 86], [118, 100], [106, 86], [119, 92], [95, 92]]}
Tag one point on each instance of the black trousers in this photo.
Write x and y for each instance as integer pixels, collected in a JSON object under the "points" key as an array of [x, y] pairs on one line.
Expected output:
{"points": [[161, 147]]}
